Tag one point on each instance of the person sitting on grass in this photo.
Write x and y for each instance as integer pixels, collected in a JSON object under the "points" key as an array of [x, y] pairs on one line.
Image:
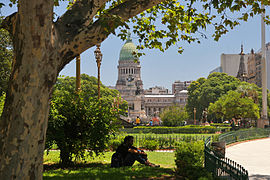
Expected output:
{"points": [[126, 155]]}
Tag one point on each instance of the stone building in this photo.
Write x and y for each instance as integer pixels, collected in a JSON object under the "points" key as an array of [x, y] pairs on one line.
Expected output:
{"points": [[156, 90], [178, 86], [230, 63], [129, 82], [144, 103]]}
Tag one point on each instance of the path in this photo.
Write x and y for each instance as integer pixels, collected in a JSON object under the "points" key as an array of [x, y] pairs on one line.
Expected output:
{"points": [[254, 156]]}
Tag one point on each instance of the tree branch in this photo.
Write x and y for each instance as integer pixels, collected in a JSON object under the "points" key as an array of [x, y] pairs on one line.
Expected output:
{"points": [[88, 36]]}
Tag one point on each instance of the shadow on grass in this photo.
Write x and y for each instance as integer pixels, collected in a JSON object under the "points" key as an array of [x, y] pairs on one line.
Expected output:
{"points": [[99, 171]]}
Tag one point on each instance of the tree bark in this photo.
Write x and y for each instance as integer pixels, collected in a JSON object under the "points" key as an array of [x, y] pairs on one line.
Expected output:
{"points": [[24, 119], [42, 49]]}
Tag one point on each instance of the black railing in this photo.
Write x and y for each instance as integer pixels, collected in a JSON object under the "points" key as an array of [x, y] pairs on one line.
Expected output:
{"points": [[242, 135], [222, 167]]}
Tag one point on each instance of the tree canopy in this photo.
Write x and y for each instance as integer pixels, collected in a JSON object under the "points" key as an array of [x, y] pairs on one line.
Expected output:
{"points": [[77, 121], [233, 105], [205, 91], [173, 116]]}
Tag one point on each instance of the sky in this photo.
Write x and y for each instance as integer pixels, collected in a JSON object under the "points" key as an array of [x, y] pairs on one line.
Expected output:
{"points": [[162, 69]]}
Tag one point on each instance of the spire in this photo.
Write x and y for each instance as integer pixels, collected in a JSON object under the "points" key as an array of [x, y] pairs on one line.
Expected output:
{"points": [[242, 74], [242, 50], [129, 38]]}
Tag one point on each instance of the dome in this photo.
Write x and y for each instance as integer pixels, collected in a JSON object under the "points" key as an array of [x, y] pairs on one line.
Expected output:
{"points": [[127, 51]]}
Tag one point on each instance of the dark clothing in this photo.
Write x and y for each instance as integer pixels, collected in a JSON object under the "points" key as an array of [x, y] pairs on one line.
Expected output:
{"points": [[124, 158], [132, 157]]}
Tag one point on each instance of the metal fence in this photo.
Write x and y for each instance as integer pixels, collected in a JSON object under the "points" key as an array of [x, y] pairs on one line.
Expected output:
{"points": [[165, 141], [242, 135], [224, 167]]}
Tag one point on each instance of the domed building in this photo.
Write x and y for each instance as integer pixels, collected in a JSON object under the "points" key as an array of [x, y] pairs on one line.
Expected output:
{"points": [[145, 104], [129, 82]]}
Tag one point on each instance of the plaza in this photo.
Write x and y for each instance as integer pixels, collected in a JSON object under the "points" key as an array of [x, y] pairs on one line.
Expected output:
{"points": [[254, 156]]}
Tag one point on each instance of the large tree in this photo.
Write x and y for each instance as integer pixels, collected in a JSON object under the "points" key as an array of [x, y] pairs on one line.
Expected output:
{"points": [[77, 121], [42, 47], [234, 105], [205, 91]]}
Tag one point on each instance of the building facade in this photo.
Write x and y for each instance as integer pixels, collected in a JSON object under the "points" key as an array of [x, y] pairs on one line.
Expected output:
{"points": [[144, 103], [178, 86], [129, 82], [230, 63]]}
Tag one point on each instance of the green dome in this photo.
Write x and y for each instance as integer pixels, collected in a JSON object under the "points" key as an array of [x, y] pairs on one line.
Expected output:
{"points": [[127, 51]]}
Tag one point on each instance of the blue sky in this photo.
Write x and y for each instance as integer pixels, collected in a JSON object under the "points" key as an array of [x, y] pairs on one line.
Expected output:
{"points": [[162, 69]]}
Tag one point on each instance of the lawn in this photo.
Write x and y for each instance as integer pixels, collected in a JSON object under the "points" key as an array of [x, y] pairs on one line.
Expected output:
{"points": [[99, 167]]}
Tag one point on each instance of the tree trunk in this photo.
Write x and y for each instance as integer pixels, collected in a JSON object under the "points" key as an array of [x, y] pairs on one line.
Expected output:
{"points": [[24, 119], [42, 48]]}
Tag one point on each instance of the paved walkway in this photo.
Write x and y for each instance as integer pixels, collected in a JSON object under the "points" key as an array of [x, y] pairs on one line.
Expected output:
{"points": [[254, 156]]}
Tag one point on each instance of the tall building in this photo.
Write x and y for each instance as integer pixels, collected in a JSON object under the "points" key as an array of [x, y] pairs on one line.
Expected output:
{"points": [[156, 90], [178, 86], [129, 82], [230, 63], [144, 103], [242, 73]]}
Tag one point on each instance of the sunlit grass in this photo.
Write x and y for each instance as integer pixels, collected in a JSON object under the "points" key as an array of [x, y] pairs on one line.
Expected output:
{"points": [[99, 167]]}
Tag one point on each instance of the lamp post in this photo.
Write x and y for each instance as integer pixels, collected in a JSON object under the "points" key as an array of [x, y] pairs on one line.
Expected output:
{"points": [[98, 56], [78, 73], [194, 110]]}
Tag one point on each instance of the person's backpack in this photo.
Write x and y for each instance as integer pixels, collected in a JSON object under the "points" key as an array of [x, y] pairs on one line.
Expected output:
{"points": [[117, 160]]}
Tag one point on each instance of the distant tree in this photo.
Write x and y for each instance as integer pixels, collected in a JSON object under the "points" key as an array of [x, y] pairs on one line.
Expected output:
{"points": [[77, 121], [233, 105], [173, 116], [205, 91]]}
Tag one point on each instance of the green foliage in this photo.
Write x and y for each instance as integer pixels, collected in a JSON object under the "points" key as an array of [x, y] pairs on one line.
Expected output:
{"points": [[78, 121], [2, 102], [173, 21], [190, 159], [115, 142], [150, 144], [173, 116], [190, 129], [6, 55], [182, 20], [205, 91], [233, 105]]}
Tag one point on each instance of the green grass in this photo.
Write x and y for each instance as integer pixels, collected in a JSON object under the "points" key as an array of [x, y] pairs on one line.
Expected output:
{"points": [[99, 167]]}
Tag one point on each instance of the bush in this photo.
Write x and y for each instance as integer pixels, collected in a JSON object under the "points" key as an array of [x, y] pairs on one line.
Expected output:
{"points": [[191, 129], [114, 143], [174, 116], [150, 144], [190, 161]]}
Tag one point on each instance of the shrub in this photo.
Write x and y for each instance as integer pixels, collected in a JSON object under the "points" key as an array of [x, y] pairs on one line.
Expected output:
{"points": [[190, 160], [114, 143], [174, 116], [191, 129], [150, 144]]}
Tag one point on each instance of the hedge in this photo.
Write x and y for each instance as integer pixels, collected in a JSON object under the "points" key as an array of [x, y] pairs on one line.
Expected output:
{"points": [[191, 129]]}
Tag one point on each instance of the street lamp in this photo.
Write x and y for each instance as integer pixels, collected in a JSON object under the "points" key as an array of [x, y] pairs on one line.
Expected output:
{"points": [[194, 110], [98, 56], [78, 73]]}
